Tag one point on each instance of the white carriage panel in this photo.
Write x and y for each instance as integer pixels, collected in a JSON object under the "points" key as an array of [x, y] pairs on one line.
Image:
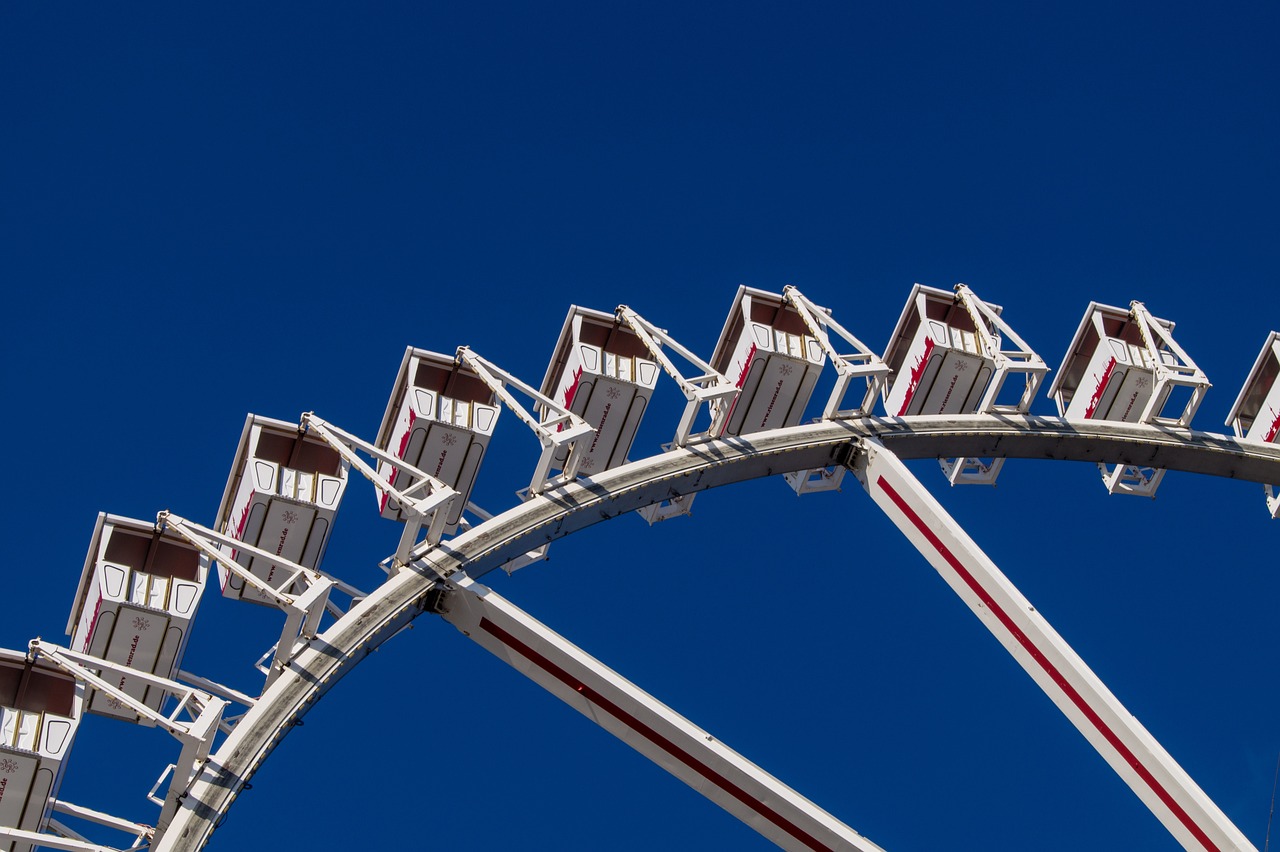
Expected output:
{"points": [[1116, 385], [609, 411], [282, 498], [40, 710], [115, 592], [779, 388], [944, 372], [1266, 425], [610, 391], [133, 637], [442, 436]]}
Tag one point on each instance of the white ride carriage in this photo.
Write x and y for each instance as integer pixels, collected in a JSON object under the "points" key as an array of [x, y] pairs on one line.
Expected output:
{"points": [[951, 353], [282, 496], [602, 372], [1124, 365], [40, 710], [1255, 416], [439, 419], [139, 591]]}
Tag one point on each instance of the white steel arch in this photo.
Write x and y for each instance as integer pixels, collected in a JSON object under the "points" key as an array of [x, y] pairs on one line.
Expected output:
{"points": [[708, 464]]}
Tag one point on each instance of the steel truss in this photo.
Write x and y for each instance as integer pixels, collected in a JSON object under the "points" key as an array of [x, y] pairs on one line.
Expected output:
{"points": [[868, 445]]}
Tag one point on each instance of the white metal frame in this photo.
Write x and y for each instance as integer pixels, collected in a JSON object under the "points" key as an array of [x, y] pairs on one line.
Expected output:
{"points": [[195, 736], [394, 605], [302, 610], [1162, 785], [427, 501], [711, 387], [557, 429], [1008, 361], [862, 363], [641, 721], [1135, 479]]}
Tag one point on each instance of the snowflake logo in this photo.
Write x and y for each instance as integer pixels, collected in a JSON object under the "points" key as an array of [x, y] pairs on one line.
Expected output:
{"points": [[289, 516], [114, 703], [786, 369], [140, 623], [961, 366], [588, 463], [613, 393], [1141, 382], [7, 766], [449, 439]]}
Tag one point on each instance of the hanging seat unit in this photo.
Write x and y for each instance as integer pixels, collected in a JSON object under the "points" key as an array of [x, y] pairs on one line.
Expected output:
{"points": [[774, 360], [1255, 416], [40, 710], [951, 353], [439, 419], [1124, 366], [283, 493], [602, 372], [138, 594]]}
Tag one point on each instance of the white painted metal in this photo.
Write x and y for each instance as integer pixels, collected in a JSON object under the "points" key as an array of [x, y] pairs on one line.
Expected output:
{"points": [[195, 736], [620, 707], [861, 363], [283, 493], [23, 840], [439, 419], [1255, 415], [1123, 365], [138, 594], [560, 431], [40, 711], [605, 374], [301, 592], [710, 386], [1189, 815], [948, 356], [576, 505], [427, 502]]}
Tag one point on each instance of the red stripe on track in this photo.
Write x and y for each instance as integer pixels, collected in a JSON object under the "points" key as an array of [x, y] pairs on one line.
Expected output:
{"points": [[651, 735], [1076, 698]]}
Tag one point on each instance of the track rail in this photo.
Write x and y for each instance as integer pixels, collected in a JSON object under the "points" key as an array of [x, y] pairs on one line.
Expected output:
{"points": [[701, 466]]}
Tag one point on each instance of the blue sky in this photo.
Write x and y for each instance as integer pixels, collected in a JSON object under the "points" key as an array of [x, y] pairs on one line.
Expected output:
{"points": [[215, 210]]}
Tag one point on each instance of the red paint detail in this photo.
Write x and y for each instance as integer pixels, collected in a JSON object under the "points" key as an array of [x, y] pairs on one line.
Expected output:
{"points": [[742, 379], [917, 373], [651, 735], [1274, 430], [569, 393], [1102, 386], [404, 443], [1049, 668]]}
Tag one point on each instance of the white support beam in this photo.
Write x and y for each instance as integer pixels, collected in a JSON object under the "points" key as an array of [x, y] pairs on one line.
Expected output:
{"points": [[711, 387], [1168, 791], [691, 754], [426, 501], [303, 610], [52, 841], [195, 737], [141, 834], [558, 428], [862, 363]]}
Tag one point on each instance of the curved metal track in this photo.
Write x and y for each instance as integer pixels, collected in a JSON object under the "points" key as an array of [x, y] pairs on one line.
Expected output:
{"points": [[403, 597]]}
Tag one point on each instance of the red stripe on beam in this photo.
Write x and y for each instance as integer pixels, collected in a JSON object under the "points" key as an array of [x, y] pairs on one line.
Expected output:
{"points": [[651, 735], [1076, 698]]}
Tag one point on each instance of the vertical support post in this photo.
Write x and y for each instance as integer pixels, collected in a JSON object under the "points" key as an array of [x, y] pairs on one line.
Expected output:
{"points": [[656, 731], [1162, 785]]}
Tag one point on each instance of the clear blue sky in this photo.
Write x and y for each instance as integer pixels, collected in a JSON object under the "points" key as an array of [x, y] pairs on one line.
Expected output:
{"points": [[217, 209]]}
